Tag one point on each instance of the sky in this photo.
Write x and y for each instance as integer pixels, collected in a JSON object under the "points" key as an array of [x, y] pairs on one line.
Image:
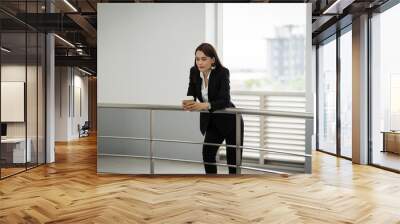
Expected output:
{"points": [[245, 27]]}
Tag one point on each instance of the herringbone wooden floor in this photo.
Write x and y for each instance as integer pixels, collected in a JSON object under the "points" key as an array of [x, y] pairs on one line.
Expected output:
{"points": [[70, 191]]}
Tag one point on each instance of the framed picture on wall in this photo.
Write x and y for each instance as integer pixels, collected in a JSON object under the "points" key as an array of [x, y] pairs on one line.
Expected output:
{"points": [[12, 101]]}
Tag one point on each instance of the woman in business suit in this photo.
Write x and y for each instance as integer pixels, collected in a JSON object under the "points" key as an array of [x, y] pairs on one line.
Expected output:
{"points": [[209, 83]]}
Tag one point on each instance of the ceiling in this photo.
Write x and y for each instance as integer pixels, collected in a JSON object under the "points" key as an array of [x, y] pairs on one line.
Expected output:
{"points": [[76, 22]]}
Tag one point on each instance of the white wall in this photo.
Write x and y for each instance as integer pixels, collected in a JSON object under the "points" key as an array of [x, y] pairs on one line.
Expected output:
{"points": [[80, 83], [68, 81], [145, 50], [61, 103]]}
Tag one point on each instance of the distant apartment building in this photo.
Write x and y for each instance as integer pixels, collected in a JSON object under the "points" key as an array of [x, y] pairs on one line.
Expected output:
{"points": [[285, 53]]}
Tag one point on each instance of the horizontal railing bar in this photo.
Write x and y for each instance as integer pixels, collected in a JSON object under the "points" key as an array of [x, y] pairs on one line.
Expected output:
{"points": [[123, 155], [246, 101], [280, 103], [271, 113], [285, 131], [290, 100], [277, 151], [285, 122], [194, 161], [274, 125], [304, 115], [268, 93], [205, 143], [263, 170], [289, 137], [122, 137], [285, 149], [280, 144], [238, 100], [273, 141]]}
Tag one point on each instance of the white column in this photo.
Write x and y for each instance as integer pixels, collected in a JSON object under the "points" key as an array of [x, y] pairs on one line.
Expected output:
{"points": [[360, 90], [50, 99]]}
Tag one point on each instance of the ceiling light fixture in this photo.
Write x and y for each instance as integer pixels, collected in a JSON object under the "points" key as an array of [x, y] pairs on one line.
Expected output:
{"points": [[64, 40], [335, 7], [84, 71], [5, 50], [332, 7], [70, 5]]}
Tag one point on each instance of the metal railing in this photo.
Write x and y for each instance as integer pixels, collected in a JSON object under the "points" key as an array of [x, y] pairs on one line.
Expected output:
{"points": [[238, 112], [273, 133]]}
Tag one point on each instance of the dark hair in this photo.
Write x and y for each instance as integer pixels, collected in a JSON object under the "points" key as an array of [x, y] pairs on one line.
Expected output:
{"points": [[209, 51]]}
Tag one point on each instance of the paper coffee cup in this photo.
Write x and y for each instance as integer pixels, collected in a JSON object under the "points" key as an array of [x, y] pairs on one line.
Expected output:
{"points": [[188, 98]]}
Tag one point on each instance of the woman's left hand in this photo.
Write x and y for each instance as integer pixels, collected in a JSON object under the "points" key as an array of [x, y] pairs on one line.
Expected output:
{"points": [[197, 106]]}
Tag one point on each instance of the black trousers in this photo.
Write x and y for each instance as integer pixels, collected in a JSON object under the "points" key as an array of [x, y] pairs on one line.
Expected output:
{"points": [[213, 135]]}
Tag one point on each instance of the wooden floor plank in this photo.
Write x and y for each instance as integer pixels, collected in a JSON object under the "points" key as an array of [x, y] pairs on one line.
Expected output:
{"points": [[70, 191]]}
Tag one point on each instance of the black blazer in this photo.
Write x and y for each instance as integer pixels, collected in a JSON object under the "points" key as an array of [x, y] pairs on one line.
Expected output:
{"points": [[218, 96]]}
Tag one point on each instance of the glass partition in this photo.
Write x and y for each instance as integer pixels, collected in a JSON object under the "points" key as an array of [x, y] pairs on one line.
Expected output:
{"points": [[14, 153], [41, 107], [385, 89], [22, 88], [31, 100]]}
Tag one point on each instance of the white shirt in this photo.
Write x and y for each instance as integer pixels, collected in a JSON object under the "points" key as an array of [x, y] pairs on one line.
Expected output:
{"points": [[204, 89]]}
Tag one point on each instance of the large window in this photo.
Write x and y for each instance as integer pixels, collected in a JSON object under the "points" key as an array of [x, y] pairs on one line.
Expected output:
{"points": [[346, 94], [329, 68], [385, 87], [327, 96], [265, 51], [263, 47]]}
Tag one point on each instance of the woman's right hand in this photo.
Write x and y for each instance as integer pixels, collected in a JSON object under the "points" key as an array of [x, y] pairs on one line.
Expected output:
{"points": [[187, 103], [196, 106]]}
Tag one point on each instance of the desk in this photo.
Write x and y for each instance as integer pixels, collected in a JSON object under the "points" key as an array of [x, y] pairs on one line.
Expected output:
{"points": [[13, 150], [391, 141]]}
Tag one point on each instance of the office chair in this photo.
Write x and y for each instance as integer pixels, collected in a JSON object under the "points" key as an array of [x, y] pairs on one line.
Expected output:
{"points": [[84, 130]]}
